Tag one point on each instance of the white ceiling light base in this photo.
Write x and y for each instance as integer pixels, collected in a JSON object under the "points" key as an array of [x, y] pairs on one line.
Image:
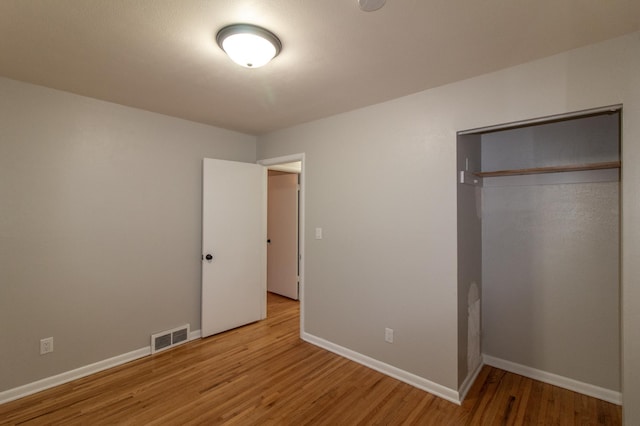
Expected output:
{"points": [[371, 5], [248, 45]]}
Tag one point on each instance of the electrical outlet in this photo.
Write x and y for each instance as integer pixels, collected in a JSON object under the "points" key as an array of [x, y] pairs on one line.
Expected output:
{"points": [[388, 335], [46, 345]]}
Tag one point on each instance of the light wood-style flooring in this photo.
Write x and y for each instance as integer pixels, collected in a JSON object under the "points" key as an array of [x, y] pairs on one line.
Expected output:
{"points": [[263, 374]]}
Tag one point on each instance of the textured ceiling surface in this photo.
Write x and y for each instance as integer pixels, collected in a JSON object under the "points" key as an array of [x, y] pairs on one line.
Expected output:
{"points": [[161, 55]]}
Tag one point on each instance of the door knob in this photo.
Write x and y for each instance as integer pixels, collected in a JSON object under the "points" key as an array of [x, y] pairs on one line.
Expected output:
{"points": [[209, 257]]}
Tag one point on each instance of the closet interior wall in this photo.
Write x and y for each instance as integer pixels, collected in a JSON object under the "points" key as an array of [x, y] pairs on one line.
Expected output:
{"points": [[549, 248], [469, 256]]}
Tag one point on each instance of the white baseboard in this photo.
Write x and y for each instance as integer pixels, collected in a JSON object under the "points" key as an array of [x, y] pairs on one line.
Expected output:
{"points": [[404, 376], [68, 376], [58, 379], [468, 382], [556, 380]]}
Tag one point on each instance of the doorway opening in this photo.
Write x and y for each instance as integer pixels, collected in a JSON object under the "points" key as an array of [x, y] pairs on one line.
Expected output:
{"points": [[282, 229], [285, 227]]}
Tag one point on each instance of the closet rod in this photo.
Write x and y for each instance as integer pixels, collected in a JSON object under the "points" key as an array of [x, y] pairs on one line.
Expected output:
{"points": [[551, 169], [611, 109]]}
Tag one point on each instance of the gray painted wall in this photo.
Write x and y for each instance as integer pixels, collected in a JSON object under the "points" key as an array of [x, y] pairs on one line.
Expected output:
{"points": [[551, 282], [381, 261], [551, 252], [382, 182], [100, 226]]}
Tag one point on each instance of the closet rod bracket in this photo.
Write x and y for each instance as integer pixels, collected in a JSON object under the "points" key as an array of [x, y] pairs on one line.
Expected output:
{"points": [[469, 178]]}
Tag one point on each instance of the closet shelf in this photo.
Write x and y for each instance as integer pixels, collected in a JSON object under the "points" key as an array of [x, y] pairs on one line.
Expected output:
{"points": [[551, 169]]}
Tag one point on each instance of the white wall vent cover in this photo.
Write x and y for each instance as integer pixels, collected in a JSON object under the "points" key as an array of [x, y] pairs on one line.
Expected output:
{"points": [[170, 338]]}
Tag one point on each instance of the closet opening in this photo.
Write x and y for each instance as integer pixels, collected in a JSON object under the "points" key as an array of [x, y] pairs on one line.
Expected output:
{"points": [[539, 251]]}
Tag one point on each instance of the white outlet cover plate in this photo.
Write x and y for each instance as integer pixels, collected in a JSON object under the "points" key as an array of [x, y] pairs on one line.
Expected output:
{"points": [[46, 345]]}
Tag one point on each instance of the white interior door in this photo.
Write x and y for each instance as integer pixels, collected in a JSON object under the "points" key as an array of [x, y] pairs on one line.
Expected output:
{"points": [[282, 234], [233, 245]]}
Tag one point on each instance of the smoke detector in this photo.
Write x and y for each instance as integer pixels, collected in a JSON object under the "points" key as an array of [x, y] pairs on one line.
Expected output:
{"points": [[371, 5]]}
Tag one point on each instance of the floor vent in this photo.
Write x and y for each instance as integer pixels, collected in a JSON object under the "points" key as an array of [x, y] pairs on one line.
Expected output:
{"points": [[170, 338]]}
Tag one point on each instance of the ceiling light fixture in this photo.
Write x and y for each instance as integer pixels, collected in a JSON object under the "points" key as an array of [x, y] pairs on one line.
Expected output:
{"points": [[248, 45]]}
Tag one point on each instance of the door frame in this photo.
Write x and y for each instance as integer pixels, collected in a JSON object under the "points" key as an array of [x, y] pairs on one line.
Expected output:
{"points": [[301, 208]]}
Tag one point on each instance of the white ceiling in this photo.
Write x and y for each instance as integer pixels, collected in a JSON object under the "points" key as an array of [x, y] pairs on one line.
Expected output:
{"points": [[161, 55]]}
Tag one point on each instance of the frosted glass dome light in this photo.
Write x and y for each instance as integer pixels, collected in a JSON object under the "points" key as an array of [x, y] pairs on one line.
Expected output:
{"points": [[248, 45]]}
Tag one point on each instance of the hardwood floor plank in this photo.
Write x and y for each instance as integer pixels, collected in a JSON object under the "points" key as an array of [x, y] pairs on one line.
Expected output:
{"points": [[523, 394], [263, 374]]}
